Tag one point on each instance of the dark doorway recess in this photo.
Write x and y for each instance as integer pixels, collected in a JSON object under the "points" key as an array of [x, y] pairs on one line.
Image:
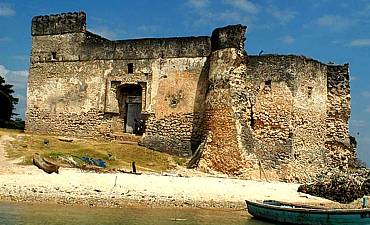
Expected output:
{"points": [[129, 98]]}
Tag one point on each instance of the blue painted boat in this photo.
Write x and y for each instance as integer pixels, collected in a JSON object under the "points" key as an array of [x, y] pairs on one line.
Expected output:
{"points": [[286, 213]]}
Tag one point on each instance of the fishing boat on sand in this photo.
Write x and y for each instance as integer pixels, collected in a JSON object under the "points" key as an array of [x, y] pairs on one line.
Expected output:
{"points": [[44, 164], [288, 213]]}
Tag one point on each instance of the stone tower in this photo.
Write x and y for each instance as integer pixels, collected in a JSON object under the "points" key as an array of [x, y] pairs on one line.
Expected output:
{"points": [[284, 115]]}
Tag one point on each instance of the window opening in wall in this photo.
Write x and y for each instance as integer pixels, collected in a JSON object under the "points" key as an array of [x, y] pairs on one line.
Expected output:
{"points": [[309, 92], [130, 68], [268, 85], [53, 55]]}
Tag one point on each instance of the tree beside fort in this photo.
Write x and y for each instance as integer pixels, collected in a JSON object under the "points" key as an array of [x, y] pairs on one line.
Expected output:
{"points": [[7, 100]]}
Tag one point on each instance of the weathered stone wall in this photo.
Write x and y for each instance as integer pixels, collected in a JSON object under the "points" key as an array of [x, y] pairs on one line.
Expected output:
{"points": [[225, 125], [288, 95], [84, 89], [337, 143], [171, 124], [64, 97], [75, 76], [285, 114], [96, 47], [271, 113], [59, 24]]}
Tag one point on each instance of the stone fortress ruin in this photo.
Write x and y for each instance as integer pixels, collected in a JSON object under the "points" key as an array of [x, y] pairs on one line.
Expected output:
{"points": [[193, 95]]}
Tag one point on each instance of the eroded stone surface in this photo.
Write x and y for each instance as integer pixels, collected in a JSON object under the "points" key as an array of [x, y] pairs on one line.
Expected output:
{"points": [[285, 115]]}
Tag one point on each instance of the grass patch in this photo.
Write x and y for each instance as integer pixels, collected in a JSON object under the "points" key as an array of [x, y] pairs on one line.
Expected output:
{"points": [[180, 161], [6, 131], [115, 154]]}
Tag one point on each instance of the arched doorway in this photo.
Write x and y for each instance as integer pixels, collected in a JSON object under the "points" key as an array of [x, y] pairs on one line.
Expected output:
{"points": [[129, 99]]}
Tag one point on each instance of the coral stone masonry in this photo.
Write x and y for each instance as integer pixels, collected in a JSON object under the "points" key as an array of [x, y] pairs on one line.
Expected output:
{"points": [[284, 114]]}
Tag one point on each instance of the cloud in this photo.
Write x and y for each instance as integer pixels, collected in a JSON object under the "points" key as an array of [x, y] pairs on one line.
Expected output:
{"points": [[104, 32], [211, 16], [334, 22], [148, 28], [353, 78], [198, 3], [247, 12], [287, 39], [4, 39], [357, 123], [364, 11], [17, 78], [6, 10], [368, 109], [243, 5], [21, 57], [365, 42], [230, 16], [365, 139], [282, 15], [366, 94]]}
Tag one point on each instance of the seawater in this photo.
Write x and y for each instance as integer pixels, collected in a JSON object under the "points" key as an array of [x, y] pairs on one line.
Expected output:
{"points": [[43, 214]]}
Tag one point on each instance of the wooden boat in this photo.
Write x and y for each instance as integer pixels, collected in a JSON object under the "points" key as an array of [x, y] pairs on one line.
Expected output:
{"points": [[44, 164], [287, 213]]}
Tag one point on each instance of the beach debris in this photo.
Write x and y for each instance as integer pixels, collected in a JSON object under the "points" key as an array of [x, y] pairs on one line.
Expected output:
{"points": [[65, 139], [46, 142], [92, 161], [178, 219], [69, 159], [133, 167], [115, 181], [365, 202], [111, 156], [173, 174], [130, 172], [341, 187], [45, 165]]}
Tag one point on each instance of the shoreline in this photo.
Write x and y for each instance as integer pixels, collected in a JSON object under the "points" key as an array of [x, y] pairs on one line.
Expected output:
{"points": [[183, 189], [74, 187]]}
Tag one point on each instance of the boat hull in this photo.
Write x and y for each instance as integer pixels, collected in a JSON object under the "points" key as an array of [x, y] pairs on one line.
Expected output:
{"points": [[44, 165], [308, 216]]}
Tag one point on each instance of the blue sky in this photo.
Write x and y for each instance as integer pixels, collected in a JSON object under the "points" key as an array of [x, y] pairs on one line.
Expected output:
{"points": [[328, 30]]}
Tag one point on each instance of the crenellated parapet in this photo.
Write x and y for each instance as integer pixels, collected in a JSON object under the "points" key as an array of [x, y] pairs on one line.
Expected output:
{"points": [[59, 24]]}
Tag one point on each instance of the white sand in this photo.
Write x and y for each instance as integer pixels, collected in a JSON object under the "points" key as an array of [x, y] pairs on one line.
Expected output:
{"points": [[72, 186]]}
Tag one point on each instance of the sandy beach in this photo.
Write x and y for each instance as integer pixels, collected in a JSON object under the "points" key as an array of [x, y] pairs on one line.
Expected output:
{"points": [[113, 190], [76, 187]]}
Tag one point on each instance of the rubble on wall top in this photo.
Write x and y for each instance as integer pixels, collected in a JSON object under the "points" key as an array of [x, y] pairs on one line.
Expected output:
{"points": [[170, 39], [60, 15], [292, 56], [58, 24]]}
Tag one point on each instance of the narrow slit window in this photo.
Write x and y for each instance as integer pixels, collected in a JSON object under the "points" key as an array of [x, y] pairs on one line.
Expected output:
{"points": [[268, 85], [53, 55], [309, 92], [130, 68]]}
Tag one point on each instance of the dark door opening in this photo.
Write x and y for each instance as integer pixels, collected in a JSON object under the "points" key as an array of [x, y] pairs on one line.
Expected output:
{"points": [[133, 114], [130, 97]]}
